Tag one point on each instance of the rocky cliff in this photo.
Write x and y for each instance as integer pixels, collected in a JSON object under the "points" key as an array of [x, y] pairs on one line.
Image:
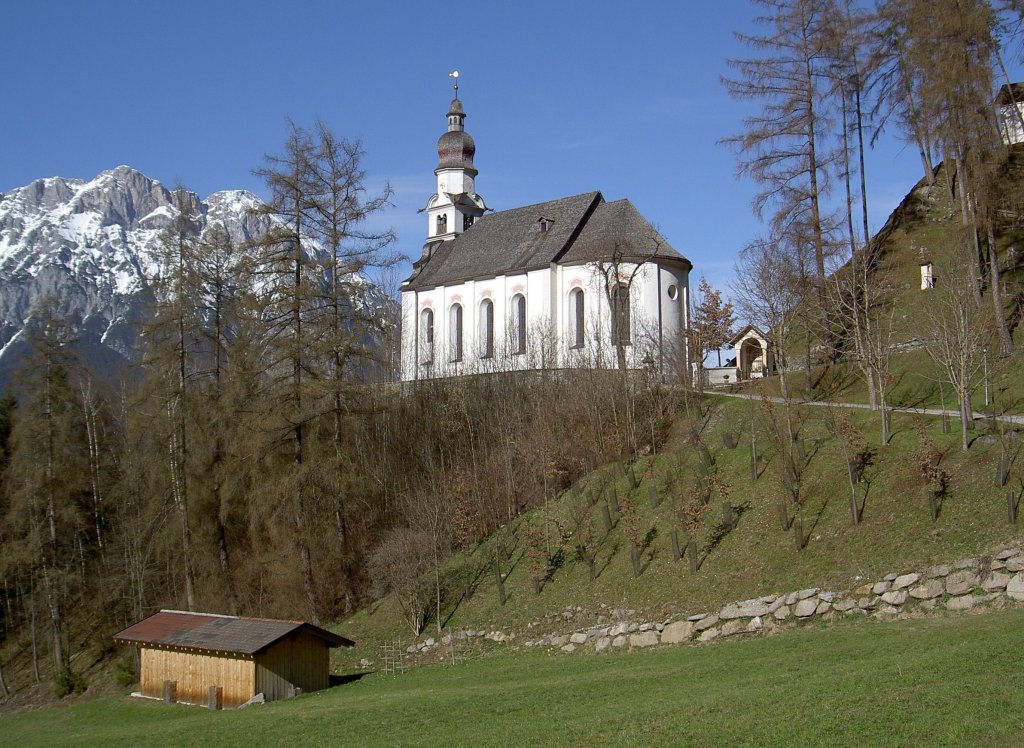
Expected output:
{"points": [[94, 248]]}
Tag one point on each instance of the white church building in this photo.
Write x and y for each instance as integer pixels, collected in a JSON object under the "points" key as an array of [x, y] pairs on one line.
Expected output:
{"points": [[577, 281], [1010, 105]]}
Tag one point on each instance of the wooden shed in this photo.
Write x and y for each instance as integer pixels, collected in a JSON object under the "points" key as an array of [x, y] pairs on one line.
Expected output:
{"points": [[243, 657]]}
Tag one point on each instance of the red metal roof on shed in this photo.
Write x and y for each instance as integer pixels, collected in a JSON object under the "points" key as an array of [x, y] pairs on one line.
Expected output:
{"points": [[174, 628]]}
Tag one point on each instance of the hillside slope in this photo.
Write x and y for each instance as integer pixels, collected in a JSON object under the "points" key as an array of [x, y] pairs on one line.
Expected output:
{"points": [[754, 557]]}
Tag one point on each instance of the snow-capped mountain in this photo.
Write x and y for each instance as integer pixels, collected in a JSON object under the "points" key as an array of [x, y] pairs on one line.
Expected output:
{"points": [[94, 247]]}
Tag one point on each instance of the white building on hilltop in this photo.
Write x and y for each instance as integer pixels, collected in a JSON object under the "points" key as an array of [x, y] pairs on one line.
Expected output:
{"points": [[577, 281], [1010, 105]]}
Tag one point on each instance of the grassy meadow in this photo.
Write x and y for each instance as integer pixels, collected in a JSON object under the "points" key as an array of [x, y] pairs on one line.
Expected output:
{"points": [[937, 681]]}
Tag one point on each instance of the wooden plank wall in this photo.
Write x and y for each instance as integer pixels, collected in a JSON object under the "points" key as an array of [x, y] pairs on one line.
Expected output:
{"points": [[300, 662], [195, 673]]}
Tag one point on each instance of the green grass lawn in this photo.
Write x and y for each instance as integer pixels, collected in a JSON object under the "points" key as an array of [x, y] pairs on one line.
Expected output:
{"points": [[940, 681]]}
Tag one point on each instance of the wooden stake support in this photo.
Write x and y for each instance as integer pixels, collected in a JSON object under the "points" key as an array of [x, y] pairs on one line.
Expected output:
{"points": [[783, 516]]}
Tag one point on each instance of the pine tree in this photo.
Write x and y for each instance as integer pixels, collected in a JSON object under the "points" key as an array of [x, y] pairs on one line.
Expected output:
{"points": [[172, 361], [46, 482], [946, 52], [782, 146], [320, 337]]}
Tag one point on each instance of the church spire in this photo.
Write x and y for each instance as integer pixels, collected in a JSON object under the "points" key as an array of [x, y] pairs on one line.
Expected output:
{"points": [[455, 206]]}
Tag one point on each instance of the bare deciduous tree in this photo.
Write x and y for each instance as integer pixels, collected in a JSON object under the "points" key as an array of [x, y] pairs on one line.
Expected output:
{"points": [[957, 339], [782, 146]]}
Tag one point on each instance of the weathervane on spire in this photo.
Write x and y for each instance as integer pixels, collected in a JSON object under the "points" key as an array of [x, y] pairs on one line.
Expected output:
{"points": [[455, 74]]}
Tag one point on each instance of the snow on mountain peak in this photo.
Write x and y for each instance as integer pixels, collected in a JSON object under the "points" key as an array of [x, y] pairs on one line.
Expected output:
{"points": [[94, 245]]}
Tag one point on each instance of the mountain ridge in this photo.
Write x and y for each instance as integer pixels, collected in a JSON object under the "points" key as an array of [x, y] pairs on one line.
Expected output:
{"points": [[93, 246]]}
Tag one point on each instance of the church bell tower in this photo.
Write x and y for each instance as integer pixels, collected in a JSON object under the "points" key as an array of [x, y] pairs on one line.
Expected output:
{"points": [[455, 206]]}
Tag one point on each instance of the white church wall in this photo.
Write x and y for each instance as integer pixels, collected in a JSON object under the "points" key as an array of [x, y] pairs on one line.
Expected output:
{"points": [[672, 293], [1010, 121], [454, 181], [549, 320], [410, 330]]}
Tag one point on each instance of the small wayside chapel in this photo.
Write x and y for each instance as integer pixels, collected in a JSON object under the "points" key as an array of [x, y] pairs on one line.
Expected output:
{"points": [[754, 359], [573, 282]]}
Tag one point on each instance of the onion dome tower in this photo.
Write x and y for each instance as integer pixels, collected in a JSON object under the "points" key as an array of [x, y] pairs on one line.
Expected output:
{"points": [[455, 205]]}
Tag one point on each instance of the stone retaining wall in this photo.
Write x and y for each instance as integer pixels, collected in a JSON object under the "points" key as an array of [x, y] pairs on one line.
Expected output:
{"points": [[991, 580]]}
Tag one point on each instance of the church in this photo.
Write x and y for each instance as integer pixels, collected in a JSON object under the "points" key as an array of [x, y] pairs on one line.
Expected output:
{"points": [[573, 282]]}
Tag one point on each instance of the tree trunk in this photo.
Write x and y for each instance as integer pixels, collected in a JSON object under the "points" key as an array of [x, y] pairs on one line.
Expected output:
{"points": [[56, 621], [970, 229], [854, 509], [863, 171], [885, 410], [783, 378], [965, 418], [1005, 338], [225, 567], [808, 382], [305, 562], [499, 582], [179, 492], [437, 589], [819, 240], [926, 164], [872, 392], [89, 411], [32, 630]]}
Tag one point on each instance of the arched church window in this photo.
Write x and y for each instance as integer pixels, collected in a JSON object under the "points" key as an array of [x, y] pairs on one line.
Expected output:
{"points": [[621, 334], [576, 318], [518, 323], [427, 336], [442, 224], [486, 328], [467, 221], [455, 332]]}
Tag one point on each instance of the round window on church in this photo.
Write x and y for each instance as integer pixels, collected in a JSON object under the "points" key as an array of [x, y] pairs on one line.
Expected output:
{"points": [[673, 292]]}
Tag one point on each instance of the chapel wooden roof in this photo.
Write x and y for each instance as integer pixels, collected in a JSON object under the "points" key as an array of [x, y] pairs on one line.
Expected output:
{"points": [[742, 332], [217, 633]]}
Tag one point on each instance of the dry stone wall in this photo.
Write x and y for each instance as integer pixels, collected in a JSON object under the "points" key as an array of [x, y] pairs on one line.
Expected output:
{"points": [[992, 580]]}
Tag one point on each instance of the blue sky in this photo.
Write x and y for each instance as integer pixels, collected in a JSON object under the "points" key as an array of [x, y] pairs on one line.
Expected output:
{"points": [[561, 98]]}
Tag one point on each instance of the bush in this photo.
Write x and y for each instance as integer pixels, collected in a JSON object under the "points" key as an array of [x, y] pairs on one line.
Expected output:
{"points": [[67, 682], [124, 673], [399, 564]]}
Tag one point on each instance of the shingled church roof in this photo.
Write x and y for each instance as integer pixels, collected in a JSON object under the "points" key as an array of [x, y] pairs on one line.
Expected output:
{"points": [[577, 229]]}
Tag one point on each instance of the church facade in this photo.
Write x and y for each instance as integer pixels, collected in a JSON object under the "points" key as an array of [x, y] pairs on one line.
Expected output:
{"points": [[573, 282]]}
